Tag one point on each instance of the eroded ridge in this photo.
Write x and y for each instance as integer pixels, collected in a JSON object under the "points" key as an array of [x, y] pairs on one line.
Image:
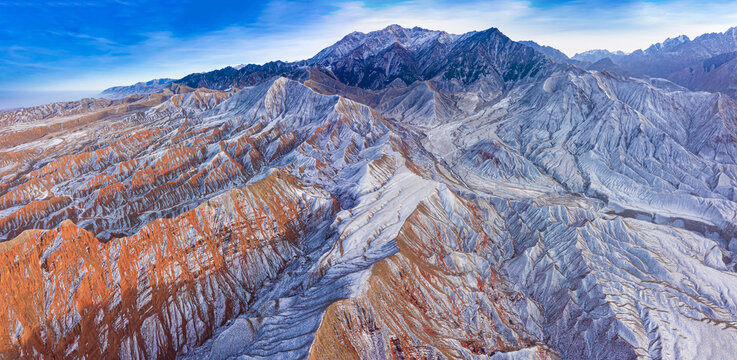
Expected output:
{"points": [[154, 293]]}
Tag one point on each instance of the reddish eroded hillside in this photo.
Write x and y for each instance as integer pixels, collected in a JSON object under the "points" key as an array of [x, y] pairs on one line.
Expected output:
{"points": [[99, 155], [119, 172], [42, 212], [31, 124], [172, 282], [438, 297], [166, 287]]}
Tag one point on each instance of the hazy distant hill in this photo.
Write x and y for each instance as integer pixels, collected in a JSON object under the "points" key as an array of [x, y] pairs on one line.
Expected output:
{"points": [[148, 87]]}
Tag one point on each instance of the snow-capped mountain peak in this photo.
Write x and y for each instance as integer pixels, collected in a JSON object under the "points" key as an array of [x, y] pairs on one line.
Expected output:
{"points": [[376, 41], [669, 44]]}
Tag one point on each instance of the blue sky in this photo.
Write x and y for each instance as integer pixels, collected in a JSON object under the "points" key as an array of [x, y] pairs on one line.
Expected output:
{"points": [[57, 46]]}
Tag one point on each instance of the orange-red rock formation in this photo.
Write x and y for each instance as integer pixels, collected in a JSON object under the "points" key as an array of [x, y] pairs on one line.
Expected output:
{"points": [[166, 287]]}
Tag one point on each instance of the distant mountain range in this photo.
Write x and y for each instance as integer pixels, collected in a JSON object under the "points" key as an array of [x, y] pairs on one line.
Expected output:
{"points": [[706, 63], [148, 87], [405, 193]]}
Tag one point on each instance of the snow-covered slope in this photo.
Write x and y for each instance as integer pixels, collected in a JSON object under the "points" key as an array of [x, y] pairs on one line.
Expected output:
{"points": [[595, 55], [405, 193]]}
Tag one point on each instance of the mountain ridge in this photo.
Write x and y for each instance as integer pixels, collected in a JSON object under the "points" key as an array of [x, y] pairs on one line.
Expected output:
{"points": [[139, 88], [702, 64]]}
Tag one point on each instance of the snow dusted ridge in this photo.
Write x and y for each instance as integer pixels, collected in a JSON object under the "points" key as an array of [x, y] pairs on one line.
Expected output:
{"points": [[405, 193], [706, 63], [148, 87]]}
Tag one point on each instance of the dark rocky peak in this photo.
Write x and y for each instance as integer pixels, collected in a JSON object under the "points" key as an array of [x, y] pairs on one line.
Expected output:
{"points": [[376, 59], [491, 52], [248, 75], [376, 41]]}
